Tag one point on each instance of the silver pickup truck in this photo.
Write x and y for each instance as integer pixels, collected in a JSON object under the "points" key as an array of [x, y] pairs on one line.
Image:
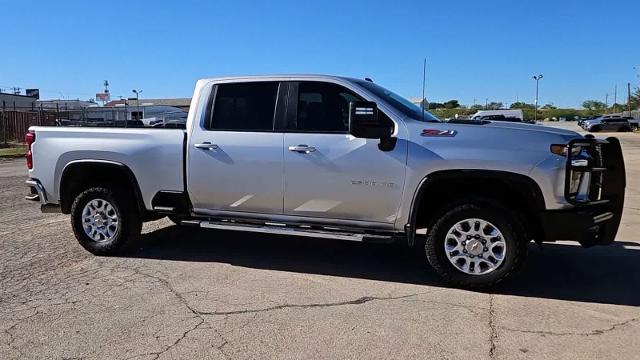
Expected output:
{"points": [[337, 158]]}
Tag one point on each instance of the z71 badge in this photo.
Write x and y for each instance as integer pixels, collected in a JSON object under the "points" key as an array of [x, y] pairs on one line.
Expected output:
{"points": [[439, 133]]}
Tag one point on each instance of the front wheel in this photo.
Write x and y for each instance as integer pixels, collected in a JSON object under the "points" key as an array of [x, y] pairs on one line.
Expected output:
{"points": [[105, 222], [476, 244]]}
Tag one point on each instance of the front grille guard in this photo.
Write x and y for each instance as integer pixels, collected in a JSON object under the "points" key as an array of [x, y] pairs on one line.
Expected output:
{"points": [[599, 165]]}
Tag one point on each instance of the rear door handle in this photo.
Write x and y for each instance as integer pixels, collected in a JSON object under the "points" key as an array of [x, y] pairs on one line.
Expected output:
{"points": [[305, 149], [206, 146]]}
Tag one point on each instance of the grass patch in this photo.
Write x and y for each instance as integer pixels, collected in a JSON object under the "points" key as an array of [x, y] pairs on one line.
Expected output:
{"points": [[13, 151]]}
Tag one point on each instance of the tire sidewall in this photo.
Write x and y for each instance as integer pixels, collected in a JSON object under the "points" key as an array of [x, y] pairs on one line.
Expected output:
{"points": [[505, 223]]}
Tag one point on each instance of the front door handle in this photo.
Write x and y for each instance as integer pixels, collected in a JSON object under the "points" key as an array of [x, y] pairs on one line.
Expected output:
{"points": [[206, 146], [305, 149]]}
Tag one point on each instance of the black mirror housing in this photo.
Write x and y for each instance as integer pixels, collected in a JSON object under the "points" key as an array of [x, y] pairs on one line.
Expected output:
{"points": [[365, 121]]}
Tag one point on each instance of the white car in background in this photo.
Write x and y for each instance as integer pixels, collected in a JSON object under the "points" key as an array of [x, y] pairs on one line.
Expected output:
{"points": [[508, 114]]}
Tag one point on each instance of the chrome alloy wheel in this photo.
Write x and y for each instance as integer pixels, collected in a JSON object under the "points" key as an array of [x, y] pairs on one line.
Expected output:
{"points": [[100, 220], [475, 246]]}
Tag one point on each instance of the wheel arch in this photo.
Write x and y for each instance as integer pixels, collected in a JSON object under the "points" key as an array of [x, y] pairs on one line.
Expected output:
{"points": [[78, 175], [440, 188]]}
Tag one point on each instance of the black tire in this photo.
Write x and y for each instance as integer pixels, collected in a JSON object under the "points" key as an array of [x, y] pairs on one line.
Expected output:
{"points": [[130, 222], [624, 129], [502, 218]]}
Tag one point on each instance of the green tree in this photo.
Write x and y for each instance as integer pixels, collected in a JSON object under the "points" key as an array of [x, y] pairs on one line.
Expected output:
{"points": [[436, 105], [618, 107], [494, 105], [452, 104], [549, 107], [476, 107], [634, 101], [593, 105], [521, 105]]}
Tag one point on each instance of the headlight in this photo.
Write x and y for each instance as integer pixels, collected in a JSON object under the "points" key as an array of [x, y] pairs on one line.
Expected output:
{"points": [[574, 184], [561, 149]]}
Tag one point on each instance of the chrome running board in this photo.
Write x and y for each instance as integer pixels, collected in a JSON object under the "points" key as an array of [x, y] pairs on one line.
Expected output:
{"points": [[283, 229]]}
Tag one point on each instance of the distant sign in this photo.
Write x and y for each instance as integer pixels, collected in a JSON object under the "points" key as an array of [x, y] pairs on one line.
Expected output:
{"points": [[103, 97], [34, 93]]}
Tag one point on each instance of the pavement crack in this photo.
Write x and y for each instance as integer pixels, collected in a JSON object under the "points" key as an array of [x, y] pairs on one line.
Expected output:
{"points": [[358, 301], [571, 333], [157, 354], [493, 334], [183, 301], [168, 286]]}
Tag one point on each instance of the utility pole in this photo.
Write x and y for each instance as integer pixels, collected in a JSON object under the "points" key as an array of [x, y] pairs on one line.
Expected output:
{"points": [[486, 103], [629, 97], [615, 97], [537, 78], [606, 101]]}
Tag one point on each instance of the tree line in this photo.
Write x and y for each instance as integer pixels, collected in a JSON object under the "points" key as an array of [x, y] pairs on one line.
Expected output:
{"points": [[595, 105]]}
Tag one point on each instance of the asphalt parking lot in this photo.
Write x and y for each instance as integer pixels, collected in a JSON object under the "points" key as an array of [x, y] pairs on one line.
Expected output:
{"points": [[214, 294]]}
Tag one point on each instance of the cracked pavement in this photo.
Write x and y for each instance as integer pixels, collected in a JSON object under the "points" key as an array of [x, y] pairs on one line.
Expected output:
{"points": [[191, 294]]}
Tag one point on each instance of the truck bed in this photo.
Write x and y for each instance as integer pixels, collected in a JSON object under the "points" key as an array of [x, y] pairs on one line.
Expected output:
{"points": [[155, 156]]}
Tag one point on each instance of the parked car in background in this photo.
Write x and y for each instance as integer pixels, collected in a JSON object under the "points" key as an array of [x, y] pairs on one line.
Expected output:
{"points": [[498, 118], [635, 123], [583, 119], [518, 114], [607, 124]]}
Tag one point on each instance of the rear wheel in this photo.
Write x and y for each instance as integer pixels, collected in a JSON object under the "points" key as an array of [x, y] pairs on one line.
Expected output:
{"points": [[105, 222], [476, 244]]}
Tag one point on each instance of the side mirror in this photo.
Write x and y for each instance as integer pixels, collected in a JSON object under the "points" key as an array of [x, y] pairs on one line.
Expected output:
{"points": [[365, 121]]}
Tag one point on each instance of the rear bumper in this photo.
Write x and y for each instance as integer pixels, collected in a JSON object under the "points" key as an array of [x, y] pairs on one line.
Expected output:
{"points": [[38, 194], [37, 191]]}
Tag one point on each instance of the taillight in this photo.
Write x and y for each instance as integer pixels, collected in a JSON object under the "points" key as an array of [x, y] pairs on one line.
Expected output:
{"points": [[29, 138]]}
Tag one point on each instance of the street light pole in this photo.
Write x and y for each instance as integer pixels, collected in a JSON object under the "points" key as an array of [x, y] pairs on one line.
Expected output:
{"points": [[138, 92], [537, 78]]}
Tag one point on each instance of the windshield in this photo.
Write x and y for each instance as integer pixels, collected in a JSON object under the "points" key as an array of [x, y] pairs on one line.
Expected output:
{"points": [[398, 102]]}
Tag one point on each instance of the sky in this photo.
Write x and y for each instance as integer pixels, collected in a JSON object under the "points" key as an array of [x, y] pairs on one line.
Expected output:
{"points": [[474, 49]]}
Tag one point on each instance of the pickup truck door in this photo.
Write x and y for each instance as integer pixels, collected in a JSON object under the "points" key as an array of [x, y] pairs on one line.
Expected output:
{"points": [[329, 173], [235, 159]]}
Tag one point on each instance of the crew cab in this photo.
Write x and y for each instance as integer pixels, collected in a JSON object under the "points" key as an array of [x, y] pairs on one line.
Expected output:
{"points": [[337, 158]]}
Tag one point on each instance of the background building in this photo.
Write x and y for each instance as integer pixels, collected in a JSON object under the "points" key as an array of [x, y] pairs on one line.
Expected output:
{"points": [[181, 103], [11, 101]]}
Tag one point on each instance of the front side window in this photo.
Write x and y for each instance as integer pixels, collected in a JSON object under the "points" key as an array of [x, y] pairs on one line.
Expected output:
{"points": [[323, 107], [244, 107], [398, 102]]}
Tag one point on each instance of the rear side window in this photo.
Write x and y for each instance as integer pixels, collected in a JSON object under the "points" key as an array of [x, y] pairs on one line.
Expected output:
{"points": [[244, 107], [323, 107]]}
